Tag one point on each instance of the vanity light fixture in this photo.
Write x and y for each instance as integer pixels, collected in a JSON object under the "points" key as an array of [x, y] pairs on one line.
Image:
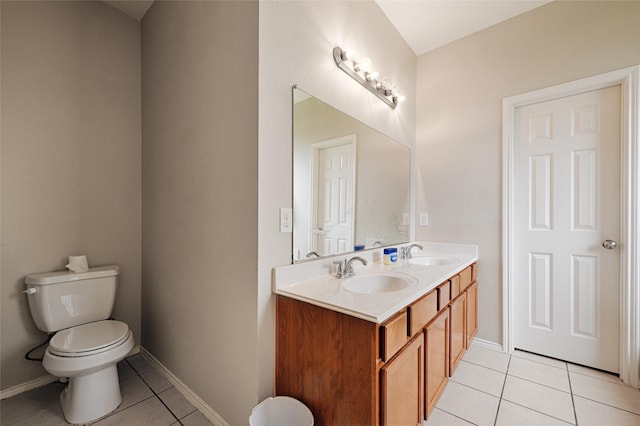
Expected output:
{"points": [[360, 71]]}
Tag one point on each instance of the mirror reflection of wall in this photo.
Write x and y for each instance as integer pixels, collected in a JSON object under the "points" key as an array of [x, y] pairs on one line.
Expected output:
{"points": [[350, 182]]}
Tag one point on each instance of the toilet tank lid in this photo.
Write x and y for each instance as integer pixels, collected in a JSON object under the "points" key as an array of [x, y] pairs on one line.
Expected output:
{"points": [[66, 276]]}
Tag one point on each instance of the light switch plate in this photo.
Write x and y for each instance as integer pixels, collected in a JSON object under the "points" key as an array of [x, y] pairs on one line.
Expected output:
{"points": [[424, 219], [286, 220], [405, 218]]}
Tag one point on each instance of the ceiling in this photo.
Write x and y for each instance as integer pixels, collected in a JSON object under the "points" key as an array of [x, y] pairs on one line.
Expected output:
{"points": [[133, 8], [424, 24], [428, 24]]}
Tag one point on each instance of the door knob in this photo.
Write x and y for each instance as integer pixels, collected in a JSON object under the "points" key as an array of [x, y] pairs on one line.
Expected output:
{"points": [[609, 244]]}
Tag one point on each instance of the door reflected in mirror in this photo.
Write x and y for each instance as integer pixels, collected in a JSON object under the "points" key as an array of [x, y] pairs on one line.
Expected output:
{"points": [[351, 183]]}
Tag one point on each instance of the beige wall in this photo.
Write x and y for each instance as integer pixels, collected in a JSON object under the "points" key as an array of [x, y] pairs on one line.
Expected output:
{"points": [[200, 197], [459, 124], [70, 157], [296, 44]]}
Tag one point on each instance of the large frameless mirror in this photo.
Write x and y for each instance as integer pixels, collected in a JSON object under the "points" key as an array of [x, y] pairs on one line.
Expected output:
{"points": [[351, 183]]}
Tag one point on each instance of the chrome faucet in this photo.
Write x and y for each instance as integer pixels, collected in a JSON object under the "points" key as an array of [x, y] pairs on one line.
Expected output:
{"points": [[344, 268], [405, 252]]}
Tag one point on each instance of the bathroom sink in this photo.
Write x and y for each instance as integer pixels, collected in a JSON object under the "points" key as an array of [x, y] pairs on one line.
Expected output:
{"points": [[378, 283], [433, 260]]}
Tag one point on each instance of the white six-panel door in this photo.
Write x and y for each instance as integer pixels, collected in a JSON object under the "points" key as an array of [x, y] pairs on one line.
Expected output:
{"points": [[567, 203], [335, 201]]}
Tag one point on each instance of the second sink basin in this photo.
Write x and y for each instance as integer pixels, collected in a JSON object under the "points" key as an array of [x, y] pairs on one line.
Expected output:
{"points": [[433, 260], [378, 283]]}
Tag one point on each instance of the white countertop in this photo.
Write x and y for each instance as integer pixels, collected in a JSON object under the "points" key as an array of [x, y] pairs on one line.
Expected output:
{"points": [[313, 282]]}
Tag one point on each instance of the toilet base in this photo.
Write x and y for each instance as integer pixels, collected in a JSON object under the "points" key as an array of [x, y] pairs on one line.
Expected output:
{"points": [[89, 397]]}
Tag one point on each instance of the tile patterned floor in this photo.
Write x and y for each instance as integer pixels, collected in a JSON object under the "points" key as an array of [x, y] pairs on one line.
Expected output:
{"points": [[495, 389], [148, 398], [488, 388]]}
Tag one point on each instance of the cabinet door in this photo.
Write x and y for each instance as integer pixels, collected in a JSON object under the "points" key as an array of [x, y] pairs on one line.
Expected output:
{"points": [[402, 384], [472, 313], [436, 341], [457, 338]]}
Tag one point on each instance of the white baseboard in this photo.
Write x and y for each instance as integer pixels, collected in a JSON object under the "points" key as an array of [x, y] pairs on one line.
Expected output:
{"points": [[191, 396], [486, 344], [27, 386]]}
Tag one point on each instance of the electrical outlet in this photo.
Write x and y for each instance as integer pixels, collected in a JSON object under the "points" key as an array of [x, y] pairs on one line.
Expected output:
{"points": [[286, 221], [424, 219], [405, 218]]}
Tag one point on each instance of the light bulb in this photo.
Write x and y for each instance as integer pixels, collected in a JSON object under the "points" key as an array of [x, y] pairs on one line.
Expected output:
{"points": [[372, 76], [363, 65], [386, 86], [347, 55]]}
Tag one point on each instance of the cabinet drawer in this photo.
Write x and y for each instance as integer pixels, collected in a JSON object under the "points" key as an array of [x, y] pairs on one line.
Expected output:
{"points": [[465, 278], [474, 272], [444, 295], [393, 336], [455, 286], [422, 311]]}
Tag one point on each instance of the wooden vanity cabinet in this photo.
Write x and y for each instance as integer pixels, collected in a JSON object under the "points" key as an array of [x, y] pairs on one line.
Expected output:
{"points": [[457, 334], [463, 311], [402, 386], [434, 326], [472, 313], [352, 371], [329, 361], [436, 339]]}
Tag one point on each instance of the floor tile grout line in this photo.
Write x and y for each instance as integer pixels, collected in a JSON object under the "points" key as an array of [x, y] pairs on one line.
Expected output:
{"points": [[475, 389], [624, 385], [543, 363], [524, 406], [482, 366], [456, 416], [154, 392], [567, 367], [54, 404], [573, 402], [134, 374], [539, 412], [116, 411], [30, 416], [537, 383], [168, 409], [504, 384], [157, 395], [488, 368], [608, 405]]}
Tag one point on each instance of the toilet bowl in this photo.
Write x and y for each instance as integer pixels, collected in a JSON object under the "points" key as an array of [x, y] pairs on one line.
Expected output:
{"points": [[86, 345], [88, 355]]}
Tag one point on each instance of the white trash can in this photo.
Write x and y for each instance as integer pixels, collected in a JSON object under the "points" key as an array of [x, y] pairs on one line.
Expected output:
{"points": [[281, 411]]}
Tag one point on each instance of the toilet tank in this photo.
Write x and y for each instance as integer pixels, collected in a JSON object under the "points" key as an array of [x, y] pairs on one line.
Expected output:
{"points": [[59, 300]]}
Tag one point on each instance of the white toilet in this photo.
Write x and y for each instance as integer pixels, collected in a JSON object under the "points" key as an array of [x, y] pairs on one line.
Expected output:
{"points": [[87, 345]]}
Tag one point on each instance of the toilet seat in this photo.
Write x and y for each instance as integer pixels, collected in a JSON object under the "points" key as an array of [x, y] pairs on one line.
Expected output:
{"points": [[89, 339]]}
